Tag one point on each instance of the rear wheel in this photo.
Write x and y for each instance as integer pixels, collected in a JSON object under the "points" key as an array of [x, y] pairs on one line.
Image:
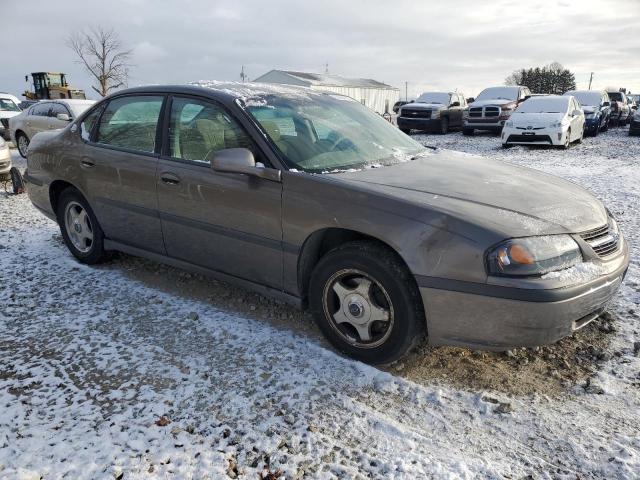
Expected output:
{"points": [[444, 126], [23, 144], [80, 228], [405, 130], [468, 131], [605, 127], [366, 302]]}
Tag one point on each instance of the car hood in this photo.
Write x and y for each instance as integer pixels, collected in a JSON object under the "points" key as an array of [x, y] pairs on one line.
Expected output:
{"points": [[511, 200], [589, 109], [4, 114], [424, 106], [535, 119], [484, 103]]}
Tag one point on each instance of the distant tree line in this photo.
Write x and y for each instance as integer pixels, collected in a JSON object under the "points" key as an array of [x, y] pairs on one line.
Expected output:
{"points": [[550, 79]]}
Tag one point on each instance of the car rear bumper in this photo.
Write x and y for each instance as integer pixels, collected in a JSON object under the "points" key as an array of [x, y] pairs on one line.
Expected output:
{"points": [[499, 318], [418, 123]]}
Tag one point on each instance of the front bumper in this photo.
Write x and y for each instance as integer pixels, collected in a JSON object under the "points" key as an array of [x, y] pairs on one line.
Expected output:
{"points": [[493, 317], [418, 123], [591, 125], [492, 124], [543, 136]]}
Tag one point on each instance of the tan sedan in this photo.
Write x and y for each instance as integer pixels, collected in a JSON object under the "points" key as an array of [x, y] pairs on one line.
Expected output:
{"points": [[42, 116]]}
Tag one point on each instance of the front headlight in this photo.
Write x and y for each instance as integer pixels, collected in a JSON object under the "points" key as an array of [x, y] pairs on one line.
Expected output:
{"points": [[557, 124], [435, 113], [508, 123], [533, 256]]}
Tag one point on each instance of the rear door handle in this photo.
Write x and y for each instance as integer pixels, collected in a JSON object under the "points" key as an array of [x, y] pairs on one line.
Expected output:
{"points": [[87, 163], [169, 178]]}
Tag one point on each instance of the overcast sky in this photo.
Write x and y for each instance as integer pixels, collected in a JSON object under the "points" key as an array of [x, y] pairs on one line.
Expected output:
{"points": [[444, 45]]}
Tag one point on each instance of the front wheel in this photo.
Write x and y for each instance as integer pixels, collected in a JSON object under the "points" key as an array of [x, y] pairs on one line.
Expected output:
{"points": [[23, 144], [366, 302], [80, 228], [405, 130], [444, 126], [567, 142], [468, 131]]}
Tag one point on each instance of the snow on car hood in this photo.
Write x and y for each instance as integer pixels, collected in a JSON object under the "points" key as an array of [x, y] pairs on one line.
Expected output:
{"points": [[483, 103], [516, 201], [8, 114], [535, 119], [589, 109]]}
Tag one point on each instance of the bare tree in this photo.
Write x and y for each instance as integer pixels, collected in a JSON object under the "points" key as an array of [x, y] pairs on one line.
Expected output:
{"points": [[103, 56]]}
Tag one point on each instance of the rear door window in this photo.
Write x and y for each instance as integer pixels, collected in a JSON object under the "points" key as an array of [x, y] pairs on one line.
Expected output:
{"points": [[41, 110], [131, 123], [57, 108]]}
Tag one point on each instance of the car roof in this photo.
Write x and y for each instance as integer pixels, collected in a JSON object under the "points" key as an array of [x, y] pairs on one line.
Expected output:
{"points": [[226, 90]]}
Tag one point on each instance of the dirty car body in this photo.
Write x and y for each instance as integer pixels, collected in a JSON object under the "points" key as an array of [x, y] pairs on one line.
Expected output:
{"points": [[494, 255]]}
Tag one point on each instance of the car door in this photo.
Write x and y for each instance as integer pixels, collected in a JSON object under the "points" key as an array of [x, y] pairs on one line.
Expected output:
{"points": [[118, 165], [38, 119], [456, 110], [577, 121], [53, 121], [226, 222]]}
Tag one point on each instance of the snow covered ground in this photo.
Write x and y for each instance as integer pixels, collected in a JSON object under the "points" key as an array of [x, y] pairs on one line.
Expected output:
{"points": [[136, 370]]}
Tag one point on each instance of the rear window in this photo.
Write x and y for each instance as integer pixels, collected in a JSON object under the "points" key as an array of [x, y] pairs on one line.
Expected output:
{"points": [[131, 123], [615, 96], [7, 105]]}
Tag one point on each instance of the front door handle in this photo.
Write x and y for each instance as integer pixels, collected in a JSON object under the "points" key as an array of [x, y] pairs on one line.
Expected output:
{"points": [[169, 178], [87, 163]]}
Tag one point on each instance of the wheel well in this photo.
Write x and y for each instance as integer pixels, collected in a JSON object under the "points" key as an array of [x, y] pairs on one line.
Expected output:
{"points": [[20, 132], [56, 188], [321, 242]]}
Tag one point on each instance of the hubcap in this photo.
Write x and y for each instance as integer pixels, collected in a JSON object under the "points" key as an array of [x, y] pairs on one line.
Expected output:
{"points": [[78, 227], [358, 308], [23, 144]]}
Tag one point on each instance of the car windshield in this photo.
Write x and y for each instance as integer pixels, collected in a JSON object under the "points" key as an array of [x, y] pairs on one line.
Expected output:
{"points": [[78, 108], [434, 97], [498, 93], [326, 133], [588, 98], [7, 105], [544, 105]]}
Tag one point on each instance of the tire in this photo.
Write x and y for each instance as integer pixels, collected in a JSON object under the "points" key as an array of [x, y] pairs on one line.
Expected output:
{"points": [[444, 126], [76, 229], [468, 131], [22, 143], [506, 145], [391, 291], [606, 125], [596, 132], [405, 130], [581, 137]]}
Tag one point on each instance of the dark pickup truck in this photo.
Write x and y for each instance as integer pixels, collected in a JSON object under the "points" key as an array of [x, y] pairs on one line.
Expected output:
{"points": [[433, 111]]}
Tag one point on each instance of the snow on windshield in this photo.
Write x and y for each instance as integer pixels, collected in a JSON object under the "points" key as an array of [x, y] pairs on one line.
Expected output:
{"points": [[434, 97], [498, 93], [547, 104], [588, 98]]}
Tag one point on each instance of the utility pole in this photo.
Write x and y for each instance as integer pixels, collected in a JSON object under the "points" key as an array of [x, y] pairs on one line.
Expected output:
{"points": [[326, 68], [590, 79], [406, 96], [243, 76]]}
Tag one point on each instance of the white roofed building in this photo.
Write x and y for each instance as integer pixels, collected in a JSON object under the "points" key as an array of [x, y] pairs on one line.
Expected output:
{"points": [[376, 95]]}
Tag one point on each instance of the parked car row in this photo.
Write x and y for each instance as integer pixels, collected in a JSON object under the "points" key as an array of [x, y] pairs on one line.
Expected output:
{"points": [[541, 119]]}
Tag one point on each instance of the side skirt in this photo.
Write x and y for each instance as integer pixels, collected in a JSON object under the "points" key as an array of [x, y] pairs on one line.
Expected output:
{"points": [[174, 262]]}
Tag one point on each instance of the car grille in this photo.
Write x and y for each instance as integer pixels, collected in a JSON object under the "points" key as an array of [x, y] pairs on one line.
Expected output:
{"points": [[4, 122], [415, 113], [529, 138], [479, 112], [602, 240], [530, 128]]}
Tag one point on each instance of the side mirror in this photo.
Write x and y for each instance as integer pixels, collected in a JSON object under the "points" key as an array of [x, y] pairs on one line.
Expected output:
{"points": [[576, 113], [455, 104], [240, 160], [526, 97], [606, 104], [64, 117], [471, 100]]}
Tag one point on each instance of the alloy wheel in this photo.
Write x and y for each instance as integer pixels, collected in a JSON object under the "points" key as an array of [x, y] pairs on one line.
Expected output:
{"points": [[23, 145], [358, 308], [78, 225]]}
